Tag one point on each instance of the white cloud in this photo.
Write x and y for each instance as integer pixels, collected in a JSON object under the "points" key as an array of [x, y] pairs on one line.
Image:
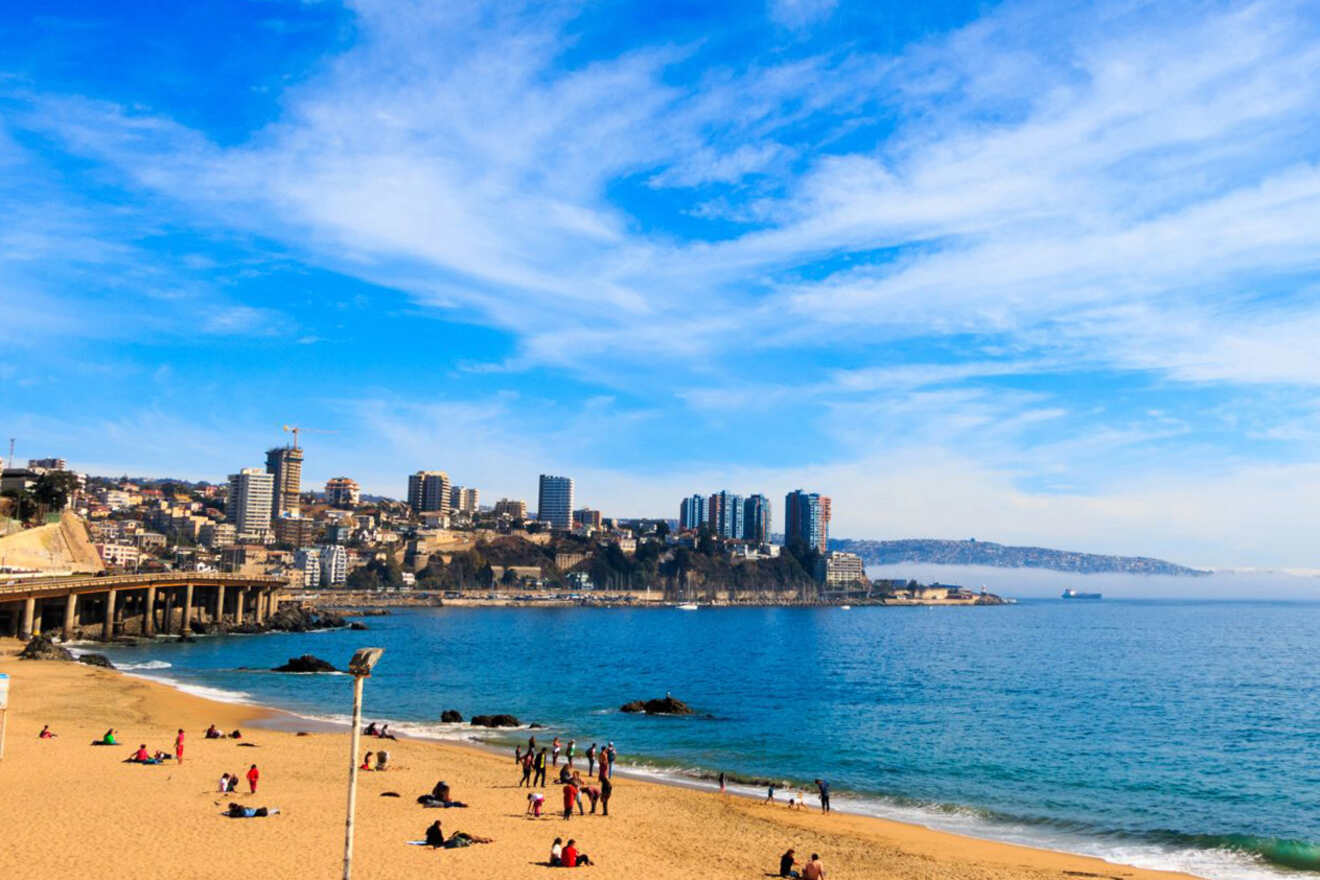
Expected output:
{"points": [[800, 13]]}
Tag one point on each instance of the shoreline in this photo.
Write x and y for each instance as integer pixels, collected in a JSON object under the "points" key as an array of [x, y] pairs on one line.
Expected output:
{"points": [[663, 828]]}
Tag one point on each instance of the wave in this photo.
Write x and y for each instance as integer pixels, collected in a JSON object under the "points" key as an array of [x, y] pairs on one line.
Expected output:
{"points": [[219, 695], [149, 664]]}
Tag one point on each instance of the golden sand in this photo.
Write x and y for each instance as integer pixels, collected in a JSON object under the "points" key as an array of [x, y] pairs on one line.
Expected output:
{"points": [[68, 809]]}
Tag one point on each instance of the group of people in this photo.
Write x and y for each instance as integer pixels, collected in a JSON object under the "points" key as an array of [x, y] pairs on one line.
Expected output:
{"points": [[382, 760], [799, 802], [566, 855], [812, 870], [213, 732], [229, 781], [382, 731], [600, 762]]}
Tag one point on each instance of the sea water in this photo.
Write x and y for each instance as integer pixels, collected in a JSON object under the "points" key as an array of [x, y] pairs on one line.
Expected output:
{"points": [[1168, 734]]}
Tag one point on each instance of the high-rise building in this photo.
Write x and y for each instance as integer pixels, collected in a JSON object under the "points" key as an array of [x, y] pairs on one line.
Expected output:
{"points": [[807, 519], [284, 463], [756, 519], [587, 518], [692, 512], [342, 492], [428, 491], [48, 464], [463, 499], [308, 561], [251, 493], [725, 514], [296, 530], [511, 508], [334, 565], [554, 502]]}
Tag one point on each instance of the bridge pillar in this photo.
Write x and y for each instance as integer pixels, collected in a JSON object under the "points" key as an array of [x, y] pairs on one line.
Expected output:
{"points": [[272, 602], [70, 615], [185, 626], [219, 603], [167, 613], [108, 629], [261, 604], [149, 613], [238, 606], [29, 618]]}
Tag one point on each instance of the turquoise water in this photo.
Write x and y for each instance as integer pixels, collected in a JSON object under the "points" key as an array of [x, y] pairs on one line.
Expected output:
{"points": [[1174, 734]]}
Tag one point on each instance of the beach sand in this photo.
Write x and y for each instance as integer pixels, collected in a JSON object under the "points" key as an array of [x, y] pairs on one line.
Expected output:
{"points": [[68, 809]]}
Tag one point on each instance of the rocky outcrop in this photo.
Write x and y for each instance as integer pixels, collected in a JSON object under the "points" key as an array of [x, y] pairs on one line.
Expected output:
{"points": [[306, 663], [494, 721], [667, 706], [96, 660], [451, 716], [356, 626], [42, 648], [301, 618]]}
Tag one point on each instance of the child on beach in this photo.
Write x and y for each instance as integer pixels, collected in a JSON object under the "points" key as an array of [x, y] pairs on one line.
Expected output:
{"points": [[45, 732], [366, 762], [178, 747], [554, 762], [253, 775], [224, 784], [534, 802], [233, 782], [770, 794], [570, 797]]}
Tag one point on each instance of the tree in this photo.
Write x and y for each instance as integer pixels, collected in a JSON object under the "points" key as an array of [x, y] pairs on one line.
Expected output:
{"points": [[53, 489], [486, 576], [22, 505]]}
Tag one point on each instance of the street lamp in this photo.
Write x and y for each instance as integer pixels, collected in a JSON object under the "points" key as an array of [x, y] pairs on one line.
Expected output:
{"points": [[360, 668]]}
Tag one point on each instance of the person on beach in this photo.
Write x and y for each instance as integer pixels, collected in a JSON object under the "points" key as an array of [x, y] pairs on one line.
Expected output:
{"points": [[540, 767], [721, 782], [370, 730], [213, 733], [382, 759], [603, 765], [571, 858], [535, 800], [107, 739], [441, 792], [233, 782], [45, 732], [178, 746], [577, 785], [824, 788], [224, 784], [531, 744], [141, 756], [253, 775], [554, 761], [237, 734], [593, 794], [564, 774], [238, 811], [786, 863], [591, 760], [610, 748], [385, 733], [570, 796], [526, 771], [568, 752], [770, 794], [556, 853], [813, 870], [435, 835], [366, 762], [517, 755], [606, 789]]}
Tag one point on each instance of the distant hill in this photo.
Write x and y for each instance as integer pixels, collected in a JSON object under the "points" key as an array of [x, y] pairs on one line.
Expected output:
{"points": [[931, 550]]}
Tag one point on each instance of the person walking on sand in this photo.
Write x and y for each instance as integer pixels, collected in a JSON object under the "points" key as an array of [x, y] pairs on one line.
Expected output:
{"points": [[603, 765], [526, 771], [517, 755], [568, 752], [721, 782], [606, 789], [539, 766], [770, 794], [813, 870], [591, 760], [253, 775], [570, 796], [824, 796], [578, 785], [554, 761], [178, 747]]}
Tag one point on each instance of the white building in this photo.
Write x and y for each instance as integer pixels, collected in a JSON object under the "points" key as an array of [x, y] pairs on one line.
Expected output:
{"points": [[251, 493], [334, 565], [308, 561]]}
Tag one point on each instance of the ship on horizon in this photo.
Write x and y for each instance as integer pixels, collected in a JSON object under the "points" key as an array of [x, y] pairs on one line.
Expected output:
{"points": [[1073, 594]]}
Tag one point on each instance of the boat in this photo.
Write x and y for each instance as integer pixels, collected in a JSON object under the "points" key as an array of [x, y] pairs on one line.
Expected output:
{"points": [[1073, 594], [845, 607], [686, 606]]}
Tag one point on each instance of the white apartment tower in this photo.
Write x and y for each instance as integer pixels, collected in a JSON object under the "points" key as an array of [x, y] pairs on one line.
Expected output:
{"points": [[251, 494]]}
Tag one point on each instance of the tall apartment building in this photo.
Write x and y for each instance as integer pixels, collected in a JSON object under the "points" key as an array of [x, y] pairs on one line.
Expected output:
{"points": [[296, 530], [308, 561], [554, 502], [692, 513], [463, 499], [342, 492], [807, 519], [587, 518], [428, 491], [512, 508], [284, 463], [756, 519], [334, 565], [725, 514], [251, 494], [839, 570], [48, 464], [215, 535]]}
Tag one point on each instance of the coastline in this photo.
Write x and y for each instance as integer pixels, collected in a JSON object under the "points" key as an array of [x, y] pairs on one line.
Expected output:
{"points": [[92, 803]]}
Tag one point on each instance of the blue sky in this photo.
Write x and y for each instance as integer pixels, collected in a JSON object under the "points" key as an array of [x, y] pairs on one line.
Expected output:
{"points": [[1024, 272]]}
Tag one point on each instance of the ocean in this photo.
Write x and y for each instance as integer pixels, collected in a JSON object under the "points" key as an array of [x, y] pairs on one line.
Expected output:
{"points": [[1176, 734]]}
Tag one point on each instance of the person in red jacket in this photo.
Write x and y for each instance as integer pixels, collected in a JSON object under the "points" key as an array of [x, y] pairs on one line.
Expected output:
{"points": [[178, 747], [253, 775], [569, 857], [570, 796]]}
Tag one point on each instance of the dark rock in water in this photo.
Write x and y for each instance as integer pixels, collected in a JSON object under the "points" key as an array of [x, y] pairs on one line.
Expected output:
{"points": [[494, 721], [42, 648], [357, 627], [451, 716], [536, 725], [301, 618], [667, 706], [306, 663], [96, 660], [249, 628]]}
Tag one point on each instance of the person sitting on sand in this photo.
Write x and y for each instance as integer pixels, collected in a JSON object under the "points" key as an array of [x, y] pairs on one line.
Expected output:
{"points": [[141, 756], [786, 863], [441, 792], [565, 775], [571, 858], [557, 853], [107, 739], [435, 837], [45, 732], [213, 733], [366, 762], [814, 870], [535, 800], [224, 784], [237, 734], [238, 811], [233, 782], [370, 730], [384, 732], [382, 759]]}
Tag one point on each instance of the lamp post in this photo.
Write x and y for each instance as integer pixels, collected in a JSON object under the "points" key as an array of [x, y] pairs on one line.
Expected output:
{"points": [[360, 668]]}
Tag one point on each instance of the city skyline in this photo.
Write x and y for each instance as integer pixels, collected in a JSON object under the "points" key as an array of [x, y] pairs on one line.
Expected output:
{"points": [[1009, 271]]}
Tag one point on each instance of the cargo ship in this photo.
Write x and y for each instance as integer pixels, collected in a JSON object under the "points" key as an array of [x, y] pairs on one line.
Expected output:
{"points": [[1073, 594]]}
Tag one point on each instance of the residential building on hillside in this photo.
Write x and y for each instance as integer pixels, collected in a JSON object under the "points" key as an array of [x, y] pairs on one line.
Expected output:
{"points": [[48, 464], [342, 492], [756, 519], [587, 518], [807, 519], [284, 463], [463, 499], [428, 491], [692, 512], [215, 535], [511, 508], [725, 514], [296, 530], [334, 565], [554, 502], [119, 555], [307, 561], [251, 494], [838, 570]]}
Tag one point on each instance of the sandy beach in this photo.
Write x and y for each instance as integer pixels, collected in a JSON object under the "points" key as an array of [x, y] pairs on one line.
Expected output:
{"points": [[72, 810]]}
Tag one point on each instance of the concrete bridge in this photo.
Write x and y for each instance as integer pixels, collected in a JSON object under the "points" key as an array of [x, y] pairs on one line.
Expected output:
{"points": [[133, 604]]}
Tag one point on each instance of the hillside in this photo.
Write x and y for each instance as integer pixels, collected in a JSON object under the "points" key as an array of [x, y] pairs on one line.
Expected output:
{"points": [[932, 550]]}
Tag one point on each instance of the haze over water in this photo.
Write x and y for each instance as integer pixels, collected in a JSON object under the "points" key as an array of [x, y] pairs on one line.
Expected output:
{"points": [[1176, 734]]}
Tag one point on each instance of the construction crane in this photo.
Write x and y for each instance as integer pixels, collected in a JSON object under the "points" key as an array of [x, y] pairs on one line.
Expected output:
{"points": [[294, 429]]}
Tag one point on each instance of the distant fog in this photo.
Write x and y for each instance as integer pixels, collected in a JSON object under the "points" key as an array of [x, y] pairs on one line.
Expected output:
{"points": [[1035, 583]]}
